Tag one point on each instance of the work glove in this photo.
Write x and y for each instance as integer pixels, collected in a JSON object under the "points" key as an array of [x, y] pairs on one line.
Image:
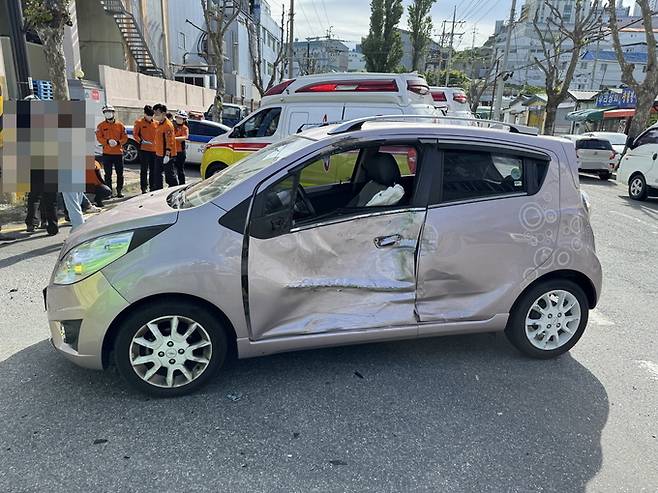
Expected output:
{"points": [[165, 160], [112, 142], [146, 142]]}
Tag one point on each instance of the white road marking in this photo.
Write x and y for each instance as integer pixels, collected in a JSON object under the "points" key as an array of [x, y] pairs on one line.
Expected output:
{"points": [[597, 318], [649, 366], [651, 225]]}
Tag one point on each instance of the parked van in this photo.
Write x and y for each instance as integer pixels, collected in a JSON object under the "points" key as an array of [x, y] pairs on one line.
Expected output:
{"points": [[639, 166], [316, 100], [451, 101]]}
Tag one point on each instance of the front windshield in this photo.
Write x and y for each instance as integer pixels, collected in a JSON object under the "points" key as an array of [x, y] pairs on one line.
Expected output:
{"points": [[213, 187]]}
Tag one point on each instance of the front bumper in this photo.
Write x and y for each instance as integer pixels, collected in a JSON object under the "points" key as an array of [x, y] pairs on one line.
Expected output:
{"points": [[96, 304]]}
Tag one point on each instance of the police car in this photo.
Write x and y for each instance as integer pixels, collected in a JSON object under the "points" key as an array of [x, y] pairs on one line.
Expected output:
{"points": [[201, 131]]}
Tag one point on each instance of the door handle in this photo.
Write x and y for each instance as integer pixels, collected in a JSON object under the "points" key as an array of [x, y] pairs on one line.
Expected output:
{"points": [[386, 241], [655, 156]]}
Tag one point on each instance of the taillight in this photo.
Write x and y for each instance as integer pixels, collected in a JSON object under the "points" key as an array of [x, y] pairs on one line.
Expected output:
{"points": [[439, 96], [418, 86], [460, 97], [279, 88], [351, 86]]}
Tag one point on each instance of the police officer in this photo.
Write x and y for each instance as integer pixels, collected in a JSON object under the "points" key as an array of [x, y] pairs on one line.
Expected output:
{"points": [[181, 133], [111, 134]]}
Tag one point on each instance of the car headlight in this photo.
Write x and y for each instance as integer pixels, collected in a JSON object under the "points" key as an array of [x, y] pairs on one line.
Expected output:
{"points": [[91, 256]]}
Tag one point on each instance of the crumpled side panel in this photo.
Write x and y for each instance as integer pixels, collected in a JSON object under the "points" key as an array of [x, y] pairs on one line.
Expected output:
{"points": [[333, 277]]}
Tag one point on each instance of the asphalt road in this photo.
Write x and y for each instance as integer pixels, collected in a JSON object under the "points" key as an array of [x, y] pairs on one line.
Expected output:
{"points": [[448, 414]]}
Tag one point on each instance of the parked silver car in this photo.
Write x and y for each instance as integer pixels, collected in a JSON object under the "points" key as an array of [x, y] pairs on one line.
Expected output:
{"points": [[368, 231]]}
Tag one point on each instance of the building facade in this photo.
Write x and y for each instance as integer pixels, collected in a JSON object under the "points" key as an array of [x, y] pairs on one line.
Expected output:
{"points": [[316, 56]]}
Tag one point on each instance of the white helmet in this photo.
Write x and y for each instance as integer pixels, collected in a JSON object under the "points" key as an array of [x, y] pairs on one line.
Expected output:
{"points": [[108, 107], [182, 114]]}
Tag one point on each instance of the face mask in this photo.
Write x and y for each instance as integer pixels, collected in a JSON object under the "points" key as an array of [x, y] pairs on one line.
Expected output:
{"points": [[179, 121], [109, 115], [159, 118], [148, 118]]}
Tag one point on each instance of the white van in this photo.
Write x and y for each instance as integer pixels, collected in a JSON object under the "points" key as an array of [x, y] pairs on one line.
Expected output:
{"points": [[451, 101], [315, 100]]}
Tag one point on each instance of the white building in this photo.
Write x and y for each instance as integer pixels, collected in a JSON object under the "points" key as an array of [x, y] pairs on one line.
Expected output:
{"points": [[356, 61], [316, 56], [525, 47]]}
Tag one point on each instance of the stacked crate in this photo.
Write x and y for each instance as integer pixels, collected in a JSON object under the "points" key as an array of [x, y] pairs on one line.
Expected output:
{"points": [[43, 89]]}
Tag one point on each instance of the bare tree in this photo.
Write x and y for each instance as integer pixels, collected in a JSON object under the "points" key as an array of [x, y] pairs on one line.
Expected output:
{"points": [[256, 54], [559, 36], [48, 18], [477, 87], [646, 90], [219, 15]]}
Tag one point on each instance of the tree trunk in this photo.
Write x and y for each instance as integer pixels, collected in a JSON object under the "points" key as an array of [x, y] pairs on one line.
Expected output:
{"points": [[53, 50], [645, 99], [549, 122], [218, 105]]}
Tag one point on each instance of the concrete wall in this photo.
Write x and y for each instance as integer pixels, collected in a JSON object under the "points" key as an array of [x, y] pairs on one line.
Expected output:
{"points": [[100, 39], [130, 91]]}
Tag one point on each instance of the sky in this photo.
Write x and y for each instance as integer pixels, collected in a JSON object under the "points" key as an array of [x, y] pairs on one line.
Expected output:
{"points": [[349, 19]]}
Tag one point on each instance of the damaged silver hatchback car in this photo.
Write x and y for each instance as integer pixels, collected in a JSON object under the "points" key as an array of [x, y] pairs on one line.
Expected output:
{"points": [[372, 230]]}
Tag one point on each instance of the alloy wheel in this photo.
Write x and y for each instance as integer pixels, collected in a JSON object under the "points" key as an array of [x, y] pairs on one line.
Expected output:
{"points": [[636, 186], [170, 351], [553, 319], [130, 153]]}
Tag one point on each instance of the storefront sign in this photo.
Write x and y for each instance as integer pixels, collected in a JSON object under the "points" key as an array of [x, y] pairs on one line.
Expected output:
{"points": [[626, 99]]}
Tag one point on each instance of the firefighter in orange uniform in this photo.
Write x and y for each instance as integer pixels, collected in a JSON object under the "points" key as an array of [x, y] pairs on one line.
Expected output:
{"points": [[144, 135], [165, 148], [111, 134], [182, 133]]}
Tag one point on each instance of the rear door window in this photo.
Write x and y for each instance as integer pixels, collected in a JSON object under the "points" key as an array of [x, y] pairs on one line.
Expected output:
{"points": [[469, 175]]}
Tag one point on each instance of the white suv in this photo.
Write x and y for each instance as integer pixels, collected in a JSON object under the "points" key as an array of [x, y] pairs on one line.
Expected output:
{"points": [[638, 168]]}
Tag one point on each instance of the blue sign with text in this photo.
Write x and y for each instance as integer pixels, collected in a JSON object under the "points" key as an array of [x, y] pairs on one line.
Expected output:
{"points": [[626, 99]]}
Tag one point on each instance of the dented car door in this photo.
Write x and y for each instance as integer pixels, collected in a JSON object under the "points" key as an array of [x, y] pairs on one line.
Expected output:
{"points": [[337, 274], [347, 275]]}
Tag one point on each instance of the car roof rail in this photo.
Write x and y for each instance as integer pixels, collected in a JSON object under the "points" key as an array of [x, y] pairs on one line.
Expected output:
{"points": [[353, 125]]}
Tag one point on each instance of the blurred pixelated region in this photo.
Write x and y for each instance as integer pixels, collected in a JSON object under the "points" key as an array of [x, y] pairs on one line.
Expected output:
{"points": [[47, 146]]}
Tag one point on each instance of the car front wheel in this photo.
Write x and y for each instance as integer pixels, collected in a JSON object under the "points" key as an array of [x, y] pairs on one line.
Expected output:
{"points": [[548, 319], [170, 349], [214, 168], [637, 188]]}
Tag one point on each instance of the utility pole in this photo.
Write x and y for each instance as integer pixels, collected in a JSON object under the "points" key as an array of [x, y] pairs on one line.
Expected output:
{"points": [[475, 30], [452, 38], [501, 87], [292, 38], [283, 37], [494, 91], [19, 48], [443, 45]]}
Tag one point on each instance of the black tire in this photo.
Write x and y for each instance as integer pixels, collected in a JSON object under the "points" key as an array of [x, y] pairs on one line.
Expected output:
{"points": [[637, 179], [130, 152], [214, 168], [516, 329], [139, 318], [605, 175]]}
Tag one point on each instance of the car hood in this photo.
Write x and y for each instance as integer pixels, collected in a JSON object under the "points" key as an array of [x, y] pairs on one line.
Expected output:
{"points": [[139, 212]]}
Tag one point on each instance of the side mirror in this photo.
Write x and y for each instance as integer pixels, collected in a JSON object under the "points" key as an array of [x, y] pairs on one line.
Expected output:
{"points": [[236, 133]]}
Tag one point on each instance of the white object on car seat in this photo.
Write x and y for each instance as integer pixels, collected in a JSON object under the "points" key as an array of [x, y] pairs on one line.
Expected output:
{"points": [[390, 196]]}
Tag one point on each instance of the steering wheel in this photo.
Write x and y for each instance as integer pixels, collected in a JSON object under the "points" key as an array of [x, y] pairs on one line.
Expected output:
{"points": [[307, 207]]}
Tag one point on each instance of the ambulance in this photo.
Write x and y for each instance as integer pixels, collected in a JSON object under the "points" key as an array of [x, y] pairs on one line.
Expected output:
{"points": [[314, 100]]}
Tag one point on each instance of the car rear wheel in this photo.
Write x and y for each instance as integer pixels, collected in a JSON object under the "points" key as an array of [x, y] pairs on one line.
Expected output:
{"points": [[130, 152], [605, 175], [214, 168], [549, 319], [637, 187], [170, 349]]}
